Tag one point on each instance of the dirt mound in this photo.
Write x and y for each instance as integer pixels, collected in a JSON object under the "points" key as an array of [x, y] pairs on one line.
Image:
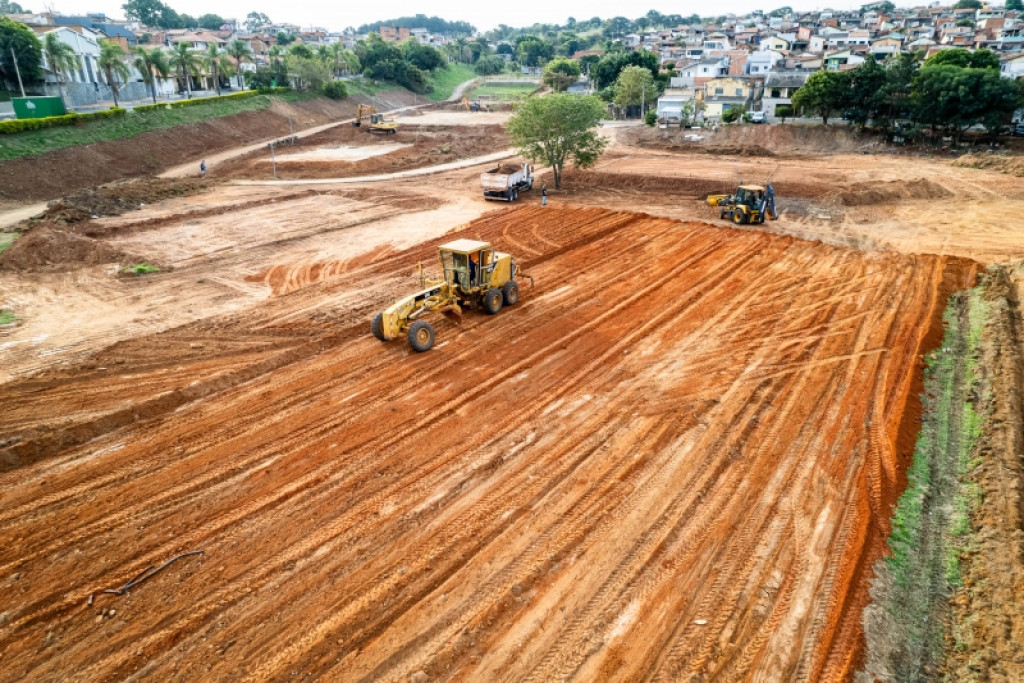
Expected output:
{"points": [[1010, 165], [893, 191], [52, 246], [57, 173], [754, 140], [116, 199]]}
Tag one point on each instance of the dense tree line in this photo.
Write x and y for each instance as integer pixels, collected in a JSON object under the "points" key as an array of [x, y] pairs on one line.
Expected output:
{"points": [[950, 92], [155, 13]]}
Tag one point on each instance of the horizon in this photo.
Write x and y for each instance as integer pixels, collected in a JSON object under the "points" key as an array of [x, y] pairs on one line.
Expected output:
{"points": [[483, 17]]}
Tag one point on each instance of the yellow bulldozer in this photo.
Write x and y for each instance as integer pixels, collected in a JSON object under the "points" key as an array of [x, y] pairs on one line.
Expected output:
{"points": [[750, 204], [378, 124], [475, 105], [474, 274]]}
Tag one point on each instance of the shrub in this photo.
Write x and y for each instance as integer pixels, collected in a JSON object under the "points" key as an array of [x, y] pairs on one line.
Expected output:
{"points": [[197, 102], [731, 115], [335, 90], [141, 269], [651, 117], [69, 119], [784, 111]]}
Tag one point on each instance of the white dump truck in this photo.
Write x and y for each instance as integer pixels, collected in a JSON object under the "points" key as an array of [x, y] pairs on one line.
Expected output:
{"points": [[505, 182]]}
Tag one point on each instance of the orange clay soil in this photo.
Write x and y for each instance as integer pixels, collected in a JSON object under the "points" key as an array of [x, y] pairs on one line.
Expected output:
{"points": [[674, 458]]}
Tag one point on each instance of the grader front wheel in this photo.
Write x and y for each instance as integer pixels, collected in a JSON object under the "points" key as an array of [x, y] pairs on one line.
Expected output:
{"points": [[421, 336], [377, 327]]}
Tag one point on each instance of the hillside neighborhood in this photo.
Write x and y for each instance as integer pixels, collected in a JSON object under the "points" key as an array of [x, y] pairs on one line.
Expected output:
{"points": [[750, 63]]}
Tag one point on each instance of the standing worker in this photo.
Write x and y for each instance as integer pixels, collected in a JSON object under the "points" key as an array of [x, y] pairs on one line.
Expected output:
{"points": [[544, 194], [202, 167]]}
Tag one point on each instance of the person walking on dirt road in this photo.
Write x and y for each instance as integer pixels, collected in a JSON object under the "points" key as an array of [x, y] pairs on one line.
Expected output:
{"points": [[202, 167], [544, 194]]}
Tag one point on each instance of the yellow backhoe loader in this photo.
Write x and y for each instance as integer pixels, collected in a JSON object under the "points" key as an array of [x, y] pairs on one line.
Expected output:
{"points": [[475, 105], [378, 124], [750, 204], [474, 273]]}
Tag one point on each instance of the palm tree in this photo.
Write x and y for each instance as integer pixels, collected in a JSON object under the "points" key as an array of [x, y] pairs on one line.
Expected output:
{"points": [[240, 52], [216, 61], [111, 63], [61, 58], [323, 53], [185, 62], [150, 64], [461, 44]]}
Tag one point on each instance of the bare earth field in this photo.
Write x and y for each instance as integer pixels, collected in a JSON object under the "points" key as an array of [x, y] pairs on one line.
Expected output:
{"points": [[674, 459]]}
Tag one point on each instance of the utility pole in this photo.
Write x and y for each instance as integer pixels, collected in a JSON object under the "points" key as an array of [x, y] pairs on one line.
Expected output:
{"points": [[14, 58]]}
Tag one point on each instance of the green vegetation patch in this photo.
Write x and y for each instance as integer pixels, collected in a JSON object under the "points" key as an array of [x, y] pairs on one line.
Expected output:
{"points": [[7, 239], [135, 122], [7, 317], [140, 269], [444, 81], [905, 627], [501, 90]]}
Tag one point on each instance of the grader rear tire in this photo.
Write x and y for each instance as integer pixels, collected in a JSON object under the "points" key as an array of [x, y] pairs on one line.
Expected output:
{"points": [[510, 293], [491, 301], [377, 327], [421, 336]]}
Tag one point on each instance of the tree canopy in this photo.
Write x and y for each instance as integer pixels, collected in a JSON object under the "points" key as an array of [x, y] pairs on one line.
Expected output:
{"points": [[558, 128], [9, 7], [561, 72], [824, 93], [977, 59], [635, 87], [27, 48], [611, 65]]}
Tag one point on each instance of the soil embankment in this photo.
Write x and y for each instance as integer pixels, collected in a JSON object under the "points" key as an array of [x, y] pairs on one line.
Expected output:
{"points": [[57, 173]]}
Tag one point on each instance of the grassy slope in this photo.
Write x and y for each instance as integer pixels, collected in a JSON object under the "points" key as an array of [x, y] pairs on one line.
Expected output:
{"points": [[503, 91], [446, 80], [905, 627], [36, 142], [7, 239]]}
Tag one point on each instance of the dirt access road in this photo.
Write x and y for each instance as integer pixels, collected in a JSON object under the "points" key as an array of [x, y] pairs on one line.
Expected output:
{"points": [[676, 457]]}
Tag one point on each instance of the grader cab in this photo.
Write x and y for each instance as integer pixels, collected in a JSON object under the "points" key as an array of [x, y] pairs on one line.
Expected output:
{"points": [[474, 274]]}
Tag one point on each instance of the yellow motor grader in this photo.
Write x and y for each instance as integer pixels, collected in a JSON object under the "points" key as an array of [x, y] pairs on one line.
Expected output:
{"points": [[474, 273], [750, 204]]}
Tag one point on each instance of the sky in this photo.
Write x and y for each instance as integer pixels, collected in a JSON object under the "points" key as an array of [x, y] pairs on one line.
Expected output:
{"points": [[483, 15]]}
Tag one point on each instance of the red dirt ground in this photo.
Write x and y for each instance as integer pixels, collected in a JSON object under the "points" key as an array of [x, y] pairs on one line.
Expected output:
{"points": [[673, 459]]}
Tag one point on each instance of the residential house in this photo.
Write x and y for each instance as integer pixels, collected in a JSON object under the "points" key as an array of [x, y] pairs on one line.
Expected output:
{"points": [[761, 62], [726, 93], [1012, 66], [887, 45], [674, 100], [776, 43], [394, 34], [197, 40], [779, 88], [842, 60]]}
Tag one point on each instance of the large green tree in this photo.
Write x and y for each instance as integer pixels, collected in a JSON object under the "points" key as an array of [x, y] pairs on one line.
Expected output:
{"points": [[211, 22], [26, 48], [60, 57], [561, 72], [635, 88], [111, 63], [534, 51], [607, 70], [558, 128], [954, 98], [824, 93], [151, 63], [8, 7], [866, 96], [1017, 5]]}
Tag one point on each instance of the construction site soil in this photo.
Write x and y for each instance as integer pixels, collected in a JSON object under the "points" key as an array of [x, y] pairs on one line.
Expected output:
{"points": [[413, 146], [674, 459], [56, 173]]}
